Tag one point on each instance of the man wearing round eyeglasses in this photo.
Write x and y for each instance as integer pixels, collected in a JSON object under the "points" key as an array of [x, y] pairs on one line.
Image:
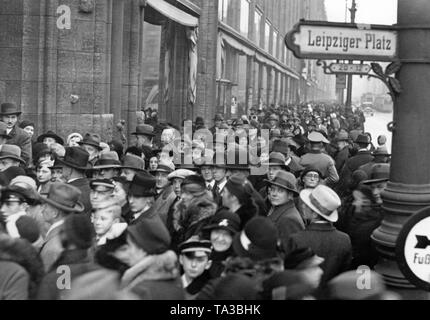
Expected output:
{"points": [[311, 178]]}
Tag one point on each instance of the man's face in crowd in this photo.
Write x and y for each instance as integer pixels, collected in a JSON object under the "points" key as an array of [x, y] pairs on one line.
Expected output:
{"points": [[194, 263], [119, 192], [273, 170], [100, 194], [221, 240], [377, 189], [93, 151], [49, 141], [176, 183], [12, 206], [107, 173], [103, 219], [311, 179], [167, 136], [43, 174], [137, 204], [29, 130], [142, 140], [218, 123], [219, 174], [161, 180], [10, 120], [153, 163], [207, 173], [128, 174], [57, 174], [7, 163]]}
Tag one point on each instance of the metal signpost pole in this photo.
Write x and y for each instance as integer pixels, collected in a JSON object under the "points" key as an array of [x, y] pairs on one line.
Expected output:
{"points": [[348, 102]]}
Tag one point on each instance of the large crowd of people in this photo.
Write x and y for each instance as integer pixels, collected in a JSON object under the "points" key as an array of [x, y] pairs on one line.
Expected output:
{"points": [[279, 203]]}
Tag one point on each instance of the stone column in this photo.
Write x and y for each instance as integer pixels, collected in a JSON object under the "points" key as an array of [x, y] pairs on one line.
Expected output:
{"points": [[408, 189]]}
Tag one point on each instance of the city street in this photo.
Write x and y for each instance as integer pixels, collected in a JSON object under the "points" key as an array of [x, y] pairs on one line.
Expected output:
{"points": [[377, 125]]}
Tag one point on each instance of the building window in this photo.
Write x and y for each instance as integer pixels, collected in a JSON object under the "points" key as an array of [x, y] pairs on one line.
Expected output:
{"points": [[222, 10], [244, 17], [257, 26], [275, 44], [266, 36]]}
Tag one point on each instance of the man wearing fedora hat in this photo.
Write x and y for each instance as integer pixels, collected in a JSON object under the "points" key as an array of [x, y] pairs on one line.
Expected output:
{"points": [[107, 166], [362, 157], [342, 142], [10, 156], [320, 235], [10, 114], [282, 190], [74, 165], [380, 155], [62, 200], [91, 144], [144, 135], [141, 195], [131, 165]]}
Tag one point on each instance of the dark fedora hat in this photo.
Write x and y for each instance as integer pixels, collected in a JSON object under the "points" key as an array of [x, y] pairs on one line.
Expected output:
{"points": [[107, 160], [50, 134], [277, 159], [91, 139], [76, 158], [131, 161], [142, 185], [144, 129], [381, 151], [9, 108], [362, 138], [285, 180], [64, 197], [380, 173]]}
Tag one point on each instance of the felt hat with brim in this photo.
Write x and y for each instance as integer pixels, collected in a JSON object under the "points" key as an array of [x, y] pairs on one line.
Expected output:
{"points": [[131, 161], [76, 158], [91, 139], [342, 136], [107, 160], [17, 193], [3, 130], [380, 172], [277, 159], [315, 136], [362, 138], [142, 185], [50, 134], [165, 166], [381, 151], [258, 240], [226, 220], [285, 180], [144, 129], [64, 197], [180, 174], [8, 109], [323, 201], [10, 151]]}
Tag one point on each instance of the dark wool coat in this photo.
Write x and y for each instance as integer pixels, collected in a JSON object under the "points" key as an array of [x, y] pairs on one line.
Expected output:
{"points": [[352, 164], [287, 220], [14, 281], [155, 277], [247, 212], [79, 263], [327, 242], [341, 158], [21, 139], [83, 184]]}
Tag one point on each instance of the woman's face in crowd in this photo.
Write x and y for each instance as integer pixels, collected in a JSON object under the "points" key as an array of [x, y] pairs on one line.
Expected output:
{"points": [[278, 196], [377, 189], [74, 141], [221, 240], [103, 220], [153, 163], [176, 183], [311, 179]]}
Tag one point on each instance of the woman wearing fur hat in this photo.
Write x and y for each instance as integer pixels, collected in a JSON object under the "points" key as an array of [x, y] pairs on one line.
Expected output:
{"points": [[21, 269]]}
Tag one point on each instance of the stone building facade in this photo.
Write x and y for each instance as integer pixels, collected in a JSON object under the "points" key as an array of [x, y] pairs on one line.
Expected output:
{"points": [[83, 65]]}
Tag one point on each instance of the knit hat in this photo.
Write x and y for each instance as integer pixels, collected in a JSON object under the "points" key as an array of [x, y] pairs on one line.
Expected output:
{"points": [[79, 230], [258, 240], [151, 235]]}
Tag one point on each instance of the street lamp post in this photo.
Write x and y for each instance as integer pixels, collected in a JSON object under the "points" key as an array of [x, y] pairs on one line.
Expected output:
{"points": [[408, 189], [348, 103]]}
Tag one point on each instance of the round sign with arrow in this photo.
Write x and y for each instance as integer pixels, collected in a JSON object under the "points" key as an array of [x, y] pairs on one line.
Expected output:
{"points": [[413, 249]]}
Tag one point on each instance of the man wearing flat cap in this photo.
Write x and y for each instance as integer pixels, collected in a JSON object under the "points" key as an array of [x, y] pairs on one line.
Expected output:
{"points": [[9, 115]]}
